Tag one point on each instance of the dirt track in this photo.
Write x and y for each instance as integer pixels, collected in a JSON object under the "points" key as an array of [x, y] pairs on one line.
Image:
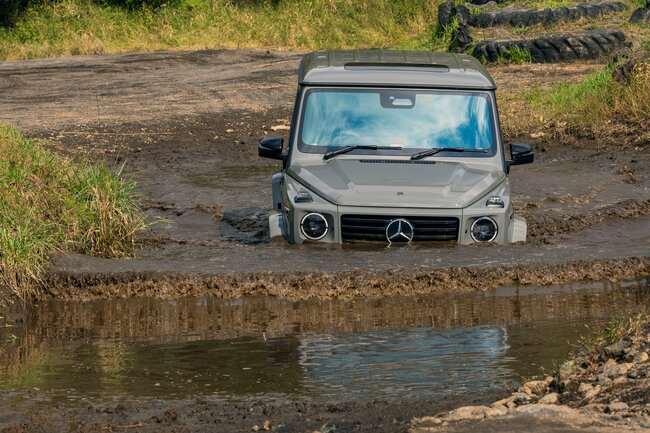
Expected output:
{"points": [[187, 125]]}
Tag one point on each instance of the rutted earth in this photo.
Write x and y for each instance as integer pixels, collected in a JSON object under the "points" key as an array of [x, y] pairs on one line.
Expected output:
{"points": [[187, 124]]}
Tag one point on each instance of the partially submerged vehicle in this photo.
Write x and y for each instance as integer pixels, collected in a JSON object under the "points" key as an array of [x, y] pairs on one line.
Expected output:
{"points": [[394, 147]]}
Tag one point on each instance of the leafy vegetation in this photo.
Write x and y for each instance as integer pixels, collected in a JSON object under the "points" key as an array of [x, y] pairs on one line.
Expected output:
{"points": [[50, 204], [593, 93], [544, 4], [46, 28]]}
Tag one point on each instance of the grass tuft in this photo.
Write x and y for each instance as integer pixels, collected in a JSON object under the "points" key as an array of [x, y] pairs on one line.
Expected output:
{"points": [[516, 56], [597, 108], [50, 204], [594, 93], [617, 329]]}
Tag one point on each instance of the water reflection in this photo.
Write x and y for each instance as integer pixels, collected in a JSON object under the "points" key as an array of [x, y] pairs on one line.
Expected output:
{"points": [[364, 349]]}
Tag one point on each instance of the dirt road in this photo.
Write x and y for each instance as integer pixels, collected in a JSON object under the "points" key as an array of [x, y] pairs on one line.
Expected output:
{"points": [[187, 126]]}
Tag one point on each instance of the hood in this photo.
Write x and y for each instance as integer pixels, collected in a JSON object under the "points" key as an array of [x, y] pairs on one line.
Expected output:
{"points": [[398, 183]]}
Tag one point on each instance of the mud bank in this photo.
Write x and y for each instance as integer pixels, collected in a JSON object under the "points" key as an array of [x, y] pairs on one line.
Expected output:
{"points": [[215, 415], [543, 226], [341, 285]]}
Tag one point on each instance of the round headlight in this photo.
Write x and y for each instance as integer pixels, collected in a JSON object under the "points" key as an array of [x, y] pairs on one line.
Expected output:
{"points": [[314, 226], [484, 229]]}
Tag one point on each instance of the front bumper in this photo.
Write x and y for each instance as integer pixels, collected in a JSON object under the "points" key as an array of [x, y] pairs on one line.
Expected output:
{"points": [[286, 219], [286, 223]]}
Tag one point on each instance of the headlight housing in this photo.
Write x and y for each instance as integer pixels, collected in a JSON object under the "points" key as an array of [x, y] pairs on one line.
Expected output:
{"points": [[484, 229], [314, 226]]}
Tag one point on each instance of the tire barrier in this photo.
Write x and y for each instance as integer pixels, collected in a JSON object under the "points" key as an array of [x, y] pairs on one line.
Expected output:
{"points": [[446, 14], [460, 38], [524, 18], [482, 2], [624, 72], [589, 45], [641, 15]]}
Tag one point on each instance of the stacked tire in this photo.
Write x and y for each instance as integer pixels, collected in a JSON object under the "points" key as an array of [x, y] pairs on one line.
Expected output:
{"points": [[590, 45], [524, 18]]}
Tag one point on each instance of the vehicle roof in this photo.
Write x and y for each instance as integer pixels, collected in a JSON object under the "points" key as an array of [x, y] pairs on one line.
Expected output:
{"points": [[394, 68]]}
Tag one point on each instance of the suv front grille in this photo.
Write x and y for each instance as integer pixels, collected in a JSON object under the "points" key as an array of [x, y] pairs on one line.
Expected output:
{"points": [[373, 227]]}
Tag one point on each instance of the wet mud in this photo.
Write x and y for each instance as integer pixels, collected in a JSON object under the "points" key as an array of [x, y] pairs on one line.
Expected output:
{"points": [[340, 285], [186, 124]]}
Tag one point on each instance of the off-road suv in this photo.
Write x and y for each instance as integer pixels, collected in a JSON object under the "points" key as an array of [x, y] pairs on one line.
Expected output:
{"points": [[394, 147]]}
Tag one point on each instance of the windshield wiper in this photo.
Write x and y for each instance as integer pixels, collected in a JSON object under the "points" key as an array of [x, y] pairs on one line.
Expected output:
{"points": [[435, 150], [346, 149]]}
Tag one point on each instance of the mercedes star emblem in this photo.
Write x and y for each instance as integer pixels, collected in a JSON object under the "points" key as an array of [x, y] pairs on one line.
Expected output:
{"points": [[399, 231]]}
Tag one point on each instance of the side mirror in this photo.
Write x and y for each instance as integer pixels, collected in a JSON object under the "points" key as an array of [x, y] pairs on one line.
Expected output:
{"points": [[271, 147], [520, 153]]}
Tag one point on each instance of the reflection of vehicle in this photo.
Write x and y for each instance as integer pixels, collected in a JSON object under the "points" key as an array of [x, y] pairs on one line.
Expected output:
{"points": [[395, 147]]}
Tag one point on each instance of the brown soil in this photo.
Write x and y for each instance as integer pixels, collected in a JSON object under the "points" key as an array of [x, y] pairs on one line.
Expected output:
{"points": [[545, 225]]}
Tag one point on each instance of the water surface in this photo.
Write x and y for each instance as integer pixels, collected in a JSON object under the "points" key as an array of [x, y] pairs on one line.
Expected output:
{"points": [[393, 348]]}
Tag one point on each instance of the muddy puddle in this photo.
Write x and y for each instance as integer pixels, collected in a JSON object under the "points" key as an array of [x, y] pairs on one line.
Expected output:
{"points": [[397, 348]]}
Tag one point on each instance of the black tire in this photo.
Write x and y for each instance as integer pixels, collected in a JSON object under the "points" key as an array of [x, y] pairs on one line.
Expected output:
{"points": [[535, 54], [573, 14], [462, 13], [555, 49], [482, 2], [483, 20], [581, 52], [641, 15], [593, 49], [461, 40], [551, 55], [446, 11], [523, 18]]}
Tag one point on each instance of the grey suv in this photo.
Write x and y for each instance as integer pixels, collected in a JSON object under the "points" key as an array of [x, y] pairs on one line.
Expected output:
{"points": [[394, 147]]}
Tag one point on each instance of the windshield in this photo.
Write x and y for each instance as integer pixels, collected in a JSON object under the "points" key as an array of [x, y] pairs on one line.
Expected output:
{"points": [[410, 119]]}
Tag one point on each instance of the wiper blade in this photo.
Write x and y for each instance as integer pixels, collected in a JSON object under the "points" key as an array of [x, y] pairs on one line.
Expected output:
{"points": [[435, 150], [346, 149]]}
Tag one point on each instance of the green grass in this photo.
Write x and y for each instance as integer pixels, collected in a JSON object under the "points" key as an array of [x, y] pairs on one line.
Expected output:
{"points": [[547, 4], [50, 204], [515, 56], [70, 27], [599, 101], [594, 91]]}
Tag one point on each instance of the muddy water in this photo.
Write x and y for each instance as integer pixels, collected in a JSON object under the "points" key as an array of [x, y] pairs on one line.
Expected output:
{"points": [[567, 197], [391, 348]]}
